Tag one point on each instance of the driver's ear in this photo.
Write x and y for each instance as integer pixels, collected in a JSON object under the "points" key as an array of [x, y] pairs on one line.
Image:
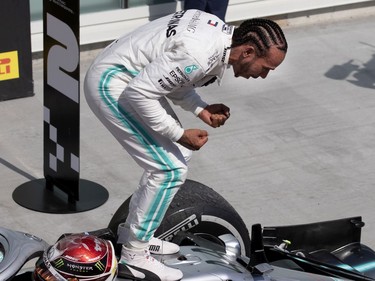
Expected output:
{"points": [[249, 51]]}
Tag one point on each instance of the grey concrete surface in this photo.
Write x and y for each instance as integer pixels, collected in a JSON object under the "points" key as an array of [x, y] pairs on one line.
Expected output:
{"points": [[299, 146]]}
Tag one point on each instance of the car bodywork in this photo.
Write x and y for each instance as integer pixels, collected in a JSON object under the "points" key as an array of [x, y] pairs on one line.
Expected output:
{"points": [[328, 250]]}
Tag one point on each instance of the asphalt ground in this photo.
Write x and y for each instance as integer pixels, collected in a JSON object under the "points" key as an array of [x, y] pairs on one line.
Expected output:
{"points": [[299, 146]]}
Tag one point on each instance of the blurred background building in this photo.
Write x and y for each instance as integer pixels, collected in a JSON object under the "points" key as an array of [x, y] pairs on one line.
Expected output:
{"points": [[105, 20]]}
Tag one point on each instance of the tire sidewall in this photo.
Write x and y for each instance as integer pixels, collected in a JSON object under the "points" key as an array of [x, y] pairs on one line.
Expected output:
{"points": [[197, 209]]}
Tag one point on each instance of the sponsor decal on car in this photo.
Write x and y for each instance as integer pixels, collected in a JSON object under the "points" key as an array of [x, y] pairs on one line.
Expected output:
{"points": [[184, 225]]}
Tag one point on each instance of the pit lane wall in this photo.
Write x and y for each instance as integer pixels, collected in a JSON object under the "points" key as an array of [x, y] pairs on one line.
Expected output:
{"points": [[107, 25]]}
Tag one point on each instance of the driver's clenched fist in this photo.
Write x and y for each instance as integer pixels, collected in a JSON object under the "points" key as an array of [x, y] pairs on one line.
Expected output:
{"points": [[193, 139], [215, 115]]}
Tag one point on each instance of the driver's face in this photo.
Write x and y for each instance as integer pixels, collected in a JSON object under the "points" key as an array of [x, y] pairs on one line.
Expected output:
{"points": [[251, 65]]}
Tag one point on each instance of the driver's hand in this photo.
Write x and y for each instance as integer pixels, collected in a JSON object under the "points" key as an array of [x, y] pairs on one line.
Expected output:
{"points": [[215, 115], [193, 139]]}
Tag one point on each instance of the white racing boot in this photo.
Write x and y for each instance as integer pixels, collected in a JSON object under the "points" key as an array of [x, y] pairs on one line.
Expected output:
{"points": [[157, 246], [160, 247], [138, 264]]}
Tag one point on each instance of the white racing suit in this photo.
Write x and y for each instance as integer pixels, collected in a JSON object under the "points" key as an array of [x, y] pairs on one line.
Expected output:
{"points": [[127, 87]]}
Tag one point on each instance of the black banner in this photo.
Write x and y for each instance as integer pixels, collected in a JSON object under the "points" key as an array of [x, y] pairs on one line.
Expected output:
{"points": [[15, 50], [61, 95]]}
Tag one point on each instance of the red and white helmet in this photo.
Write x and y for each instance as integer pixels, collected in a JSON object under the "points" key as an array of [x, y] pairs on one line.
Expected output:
{"points": [[78, 257]]}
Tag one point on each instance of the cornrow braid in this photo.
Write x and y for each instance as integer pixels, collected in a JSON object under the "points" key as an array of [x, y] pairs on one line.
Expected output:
{"points": [[262, 33]]}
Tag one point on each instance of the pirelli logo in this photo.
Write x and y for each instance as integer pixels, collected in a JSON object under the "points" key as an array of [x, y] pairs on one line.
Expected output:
{"points": [[9, 68]]}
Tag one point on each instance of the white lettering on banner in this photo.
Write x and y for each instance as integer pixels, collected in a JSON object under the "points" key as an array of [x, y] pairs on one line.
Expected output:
{"points": [[60, 60]]}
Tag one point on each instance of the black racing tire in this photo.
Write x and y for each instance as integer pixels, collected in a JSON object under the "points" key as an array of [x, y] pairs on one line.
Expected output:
{"points": [[197, 209]]}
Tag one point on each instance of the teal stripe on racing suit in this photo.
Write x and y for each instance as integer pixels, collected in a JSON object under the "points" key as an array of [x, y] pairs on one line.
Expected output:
{"points": [[158, 207]]}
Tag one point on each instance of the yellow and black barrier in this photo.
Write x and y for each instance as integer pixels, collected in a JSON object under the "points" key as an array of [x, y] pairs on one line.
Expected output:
{"points": [[15, 50]]}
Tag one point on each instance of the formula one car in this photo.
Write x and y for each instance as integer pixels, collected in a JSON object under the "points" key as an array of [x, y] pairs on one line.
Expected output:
{"points": [[215, 245]]}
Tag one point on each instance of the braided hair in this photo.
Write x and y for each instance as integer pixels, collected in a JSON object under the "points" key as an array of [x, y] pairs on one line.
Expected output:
{"points": [[262, 33]]}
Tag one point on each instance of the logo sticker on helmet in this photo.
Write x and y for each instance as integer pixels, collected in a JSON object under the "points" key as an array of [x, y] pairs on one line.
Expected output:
{"points": [[99, 265], [59, 263], [78, 257]]}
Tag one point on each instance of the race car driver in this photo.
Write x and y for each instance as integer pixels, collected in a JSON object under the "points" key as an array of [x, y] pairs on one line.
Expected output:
{"points": [[129, 86]]}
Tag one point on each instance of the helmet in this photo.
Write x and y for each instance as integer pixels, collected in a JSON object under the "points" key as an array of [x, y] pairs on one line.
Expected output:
{"points": [[77, 257]]}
